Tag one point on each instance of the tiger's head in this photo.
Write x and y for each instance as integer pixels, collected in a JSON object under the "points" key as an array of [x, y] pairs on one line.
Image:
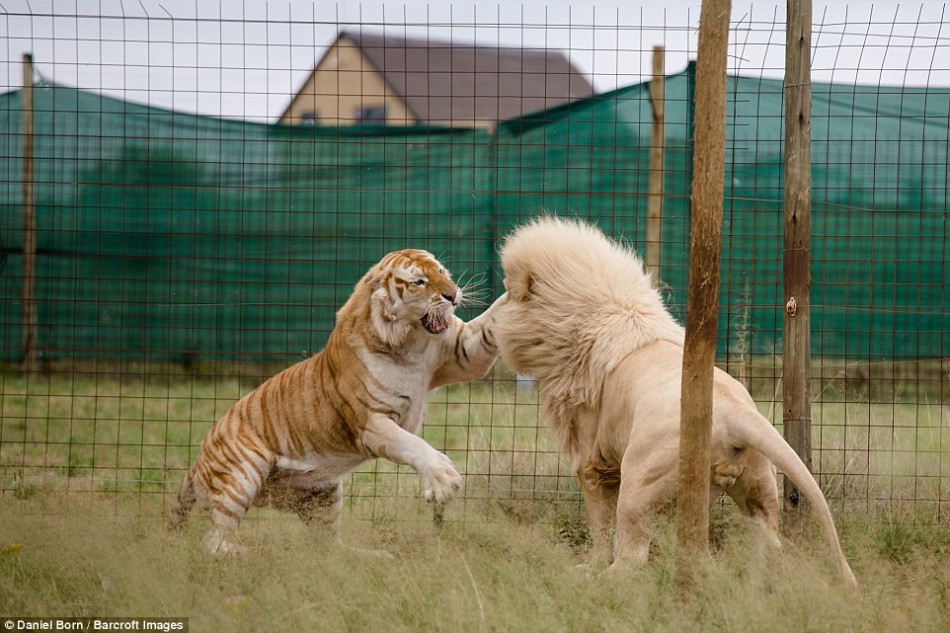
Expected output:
{"points": [[410, 289]]}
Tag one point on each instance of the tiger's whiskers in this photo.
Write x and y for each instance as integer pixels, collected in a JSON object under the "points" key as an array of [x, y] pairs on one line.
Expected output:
{"points": [[474, 291]]}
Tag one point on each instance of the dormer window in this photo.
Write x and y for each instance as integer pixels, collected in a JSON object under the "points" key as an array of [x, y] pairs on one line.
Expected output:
{"points": [[370, 115]]}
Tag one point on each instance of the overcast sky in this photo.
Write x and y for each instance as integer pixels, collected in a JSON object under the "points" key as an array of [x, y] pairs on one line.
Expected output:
{"points": [[244, 59]]}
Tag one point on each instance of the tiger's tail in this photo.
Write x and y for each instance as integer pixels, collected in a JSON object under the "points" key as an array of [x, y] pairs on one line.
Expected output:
{"points": [[178, 513]]}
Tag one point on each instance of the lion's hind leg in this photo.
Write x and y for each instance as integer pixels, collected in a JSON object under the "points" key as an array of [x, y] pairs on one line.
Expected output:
{"points": [[755, 494]]}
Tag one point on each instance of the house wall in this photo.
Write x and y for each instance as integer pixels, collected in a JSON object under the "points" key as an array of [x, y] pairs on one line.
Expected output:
{"points": [[342, 83]]}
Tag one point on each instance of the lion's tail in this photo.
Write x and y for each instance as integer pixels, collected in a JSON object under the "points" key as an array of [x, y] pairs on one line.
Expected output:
{"points": [[758, 433]]}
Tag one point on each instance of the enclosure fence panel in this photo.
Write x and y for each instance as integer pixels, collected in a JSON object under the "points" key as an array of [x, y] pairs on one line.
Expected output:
{"points": [[184, 257]]}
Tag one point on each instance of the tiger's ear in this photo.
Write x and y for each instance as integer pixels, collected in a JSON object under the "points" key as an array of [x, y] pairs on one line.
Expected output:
{"points": [[373, 278]]}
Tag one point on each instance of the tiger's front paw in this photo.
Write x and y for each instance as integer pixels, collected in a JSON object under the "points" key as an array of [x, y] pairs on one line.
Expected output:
{"points": [[441, 482]]}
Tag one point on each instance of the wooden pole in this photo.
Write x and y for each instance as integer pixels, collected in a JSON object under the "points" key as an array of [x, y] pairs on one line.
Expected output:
{"points": [[796, 371], [692, 502], [29, 327], [657, 151]]}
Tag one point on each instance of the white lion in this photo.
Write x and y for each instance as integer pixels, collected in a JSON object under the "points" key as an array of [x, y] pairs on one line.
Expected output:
{"points": [[584, 319]]}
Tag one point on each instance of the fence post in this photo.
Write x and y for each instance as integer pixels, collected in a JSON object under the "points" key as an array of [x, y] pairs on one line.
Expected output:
{"points": [[657, 150], [692, 504], [796, 372], [29, 325]]}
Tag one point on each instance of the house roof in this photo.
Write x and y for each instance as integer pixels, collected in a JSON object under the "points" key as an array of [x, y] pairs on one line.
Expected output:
{"points": [[447, 81]]}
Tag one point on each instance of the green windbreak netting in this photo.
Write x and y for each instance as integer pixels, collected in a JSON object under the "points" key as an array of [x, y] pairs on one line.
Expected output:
{"points": [[167, 236], [177, 237]]}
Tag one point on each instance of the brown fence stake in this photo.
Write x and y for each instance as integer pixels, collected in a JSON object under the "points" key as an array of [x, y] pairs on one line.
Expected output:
{"points": [[657, 151], [29, 326], [796, 372], [692, 506]]}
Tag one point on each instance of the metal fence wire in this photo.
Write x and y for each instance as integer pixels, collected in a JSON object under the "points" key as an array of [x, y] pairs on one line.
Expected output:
{"points": [[208, 181]]}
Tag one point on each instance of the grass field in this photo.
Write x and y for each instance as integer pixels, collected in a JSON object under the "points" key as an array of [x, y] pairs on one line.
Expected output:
{"points": [[88, 460], [70, 555], [137, 431]]}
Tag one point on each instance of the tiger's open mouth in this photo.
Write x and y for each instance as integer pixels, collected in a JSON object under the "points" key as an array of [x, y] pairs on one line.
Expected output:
{"points": [[435, 323]]}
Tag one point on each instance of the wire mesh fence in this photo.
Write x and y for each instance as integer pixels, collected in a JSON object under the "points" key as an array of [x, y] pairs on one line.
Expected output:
{"points": [[210, 181]]}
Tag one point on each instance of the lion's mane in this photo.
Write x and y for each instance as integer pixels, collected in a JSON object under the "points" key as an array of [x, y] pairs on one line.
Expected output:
{"points": [[580, 304]]}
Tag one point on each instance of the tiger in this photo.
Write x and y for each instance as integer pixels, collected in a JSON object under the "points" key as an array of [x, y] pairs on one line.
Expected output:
{"points": [[290, 442]]}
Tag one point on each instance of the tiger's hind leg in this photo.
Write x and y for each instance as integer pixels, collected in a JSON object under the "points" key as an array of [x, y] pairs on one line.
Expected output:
{"points": [[322, 507], [221, 538], [229, 494]]}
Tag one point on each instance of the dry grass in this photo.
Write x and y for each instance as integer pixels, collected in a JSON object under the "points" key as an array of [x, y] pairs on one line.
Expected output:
{"points": [[83, 555], [88, 459]]}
